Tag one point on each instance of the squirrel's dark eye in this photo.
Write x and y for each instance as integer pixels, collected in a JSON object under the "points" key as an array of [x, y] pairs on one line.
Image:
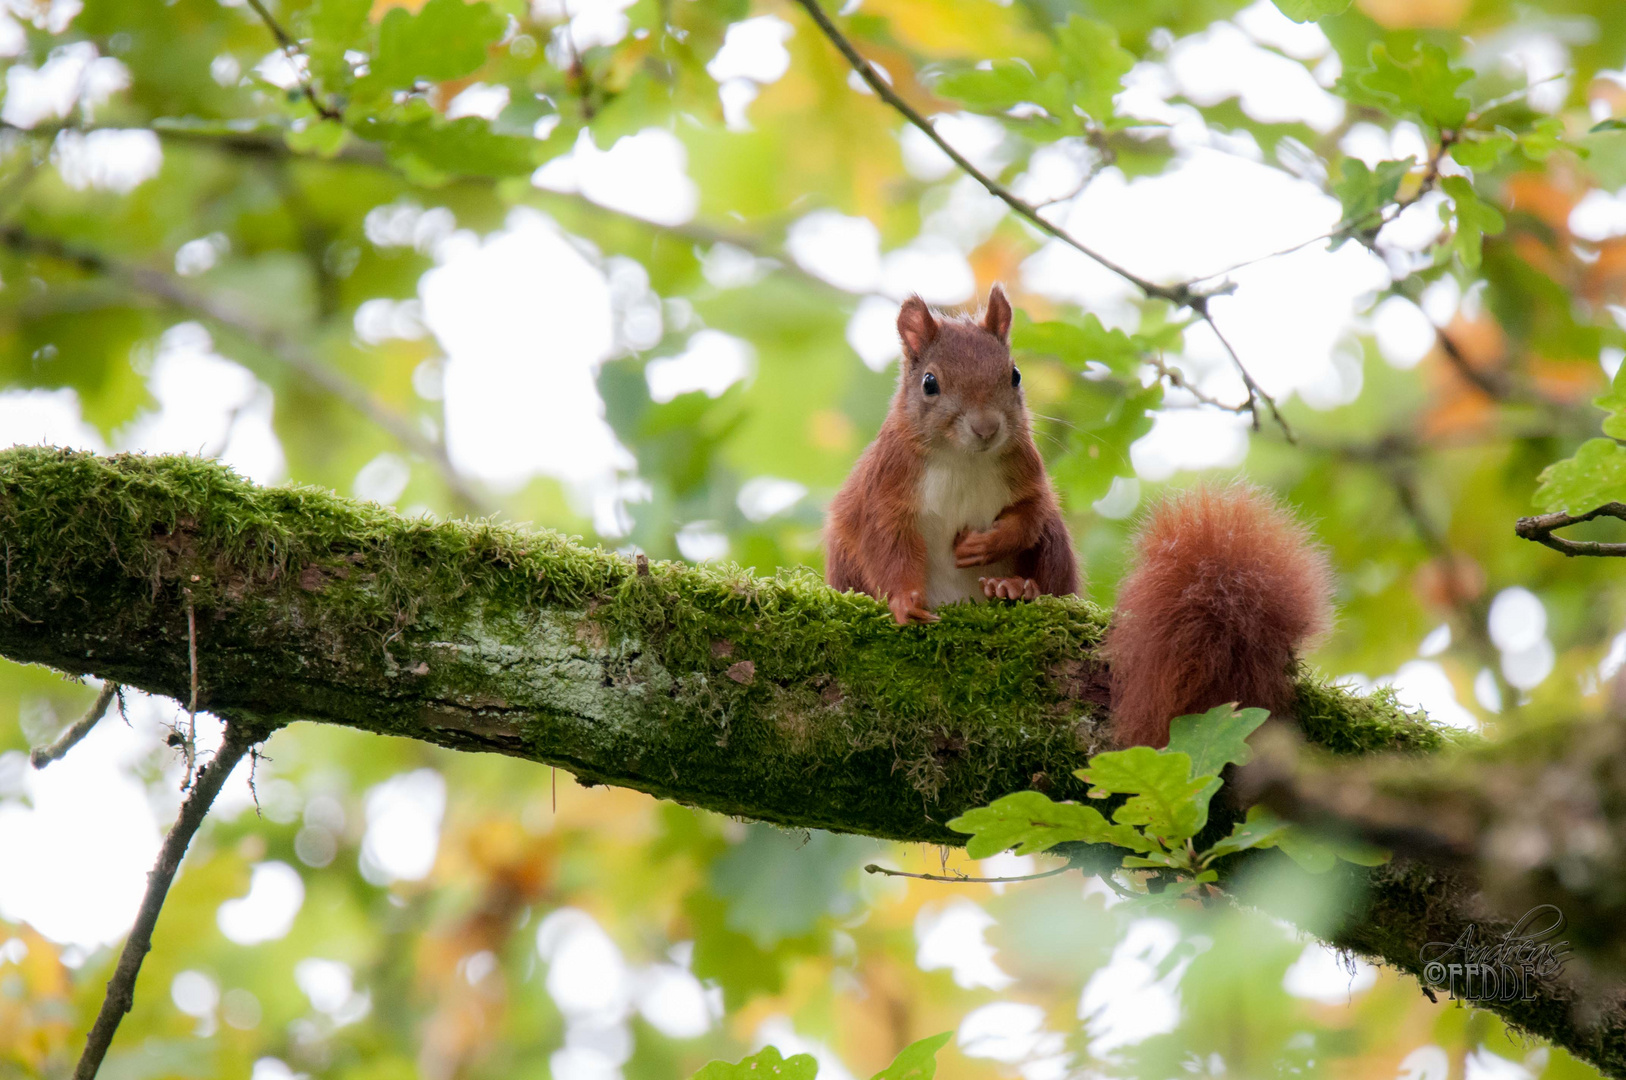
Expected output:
{"points": [[929, 385], [1016, 376]]}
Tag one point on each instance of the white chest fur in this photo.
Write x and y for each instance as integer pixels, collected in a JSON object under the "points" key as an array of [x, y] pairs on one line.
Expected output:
{"points": [[959, 491]]}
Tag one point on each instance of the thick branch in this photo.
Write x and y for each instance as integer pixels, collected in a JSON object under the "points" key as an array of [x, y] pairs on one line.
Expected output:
{"points": [[771, 698], [121, 987]]}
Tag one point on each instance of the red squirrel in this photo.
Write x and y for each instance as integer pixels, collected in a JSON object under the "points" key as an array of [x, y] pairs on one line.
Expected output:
{"points": [[951, 501], [1227, 591]]}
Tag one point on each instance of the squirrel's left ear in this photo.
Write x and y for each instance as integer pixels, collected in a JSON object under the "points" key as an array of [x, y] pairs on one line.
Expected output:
{"points": [[997, 321]]}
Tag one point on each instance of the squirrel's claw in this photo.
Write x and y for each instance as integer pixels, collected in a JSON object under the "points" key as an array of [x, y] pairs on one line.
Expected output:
{"points": [[1009, 588], [974, 548], [910, 607]]}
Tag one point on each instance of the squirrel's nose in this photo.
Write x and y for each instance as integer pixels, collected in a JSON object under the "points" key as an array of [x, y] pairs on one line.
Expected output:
{"points": [[985, 427]]}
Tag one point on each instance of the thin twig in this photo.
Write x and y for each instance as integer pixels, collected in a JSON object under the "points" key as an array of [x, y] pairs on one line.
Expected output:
{"points": [[1492, 387], [1431, 174], [291, 49], [272, 342], [1339, 231], [1177, 379], [1256, 393], [1506, 99], [1540, 529], [44, 755], [1123, 893], [962, 879], [192, 702], [121, 987]]}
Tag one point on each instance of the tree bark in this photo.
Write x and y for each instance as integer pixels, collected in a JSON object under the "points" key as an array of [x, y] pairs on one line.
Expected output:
{"points": [[770, 698]]}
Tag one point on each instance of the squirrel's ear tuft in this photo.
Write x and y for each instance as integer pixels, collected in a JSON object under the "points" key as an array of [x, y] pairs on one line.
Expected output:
{"points": [[997, 321], [916, 327]]}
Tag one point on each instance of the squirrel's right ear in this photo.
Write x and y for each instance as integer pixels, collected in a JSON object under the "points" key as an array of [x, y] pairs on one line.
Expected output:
{"points": [[998, 319], [916, 327]]}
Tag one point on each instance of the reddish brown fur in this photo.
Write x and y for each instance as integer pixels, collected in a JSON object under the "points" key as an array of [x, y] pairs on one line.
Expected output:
{"points": [[874, 544], [1229, 587]]}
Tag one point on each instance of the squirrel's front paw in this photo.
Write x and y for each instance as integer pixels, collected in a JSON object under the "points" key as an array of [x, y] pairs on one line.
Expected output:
{"points": [[908, 607], [976, 547], [1009, 588]]}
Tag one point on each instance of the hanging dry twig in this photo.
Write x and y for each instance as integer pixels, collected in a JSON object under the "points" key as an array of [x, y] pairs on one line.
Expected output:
{"points": [[192, 701], [44, 755]]}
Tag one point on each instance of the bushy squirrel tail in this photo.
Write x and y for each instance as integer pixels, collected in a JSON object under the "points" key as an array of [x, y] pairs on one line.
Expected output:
{"points": [[1228, 587]]}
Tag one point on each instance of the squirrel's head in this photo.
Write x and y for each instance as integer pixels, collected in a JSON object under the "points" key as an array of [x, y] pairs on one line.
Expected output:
{"points": [[958, 386]]}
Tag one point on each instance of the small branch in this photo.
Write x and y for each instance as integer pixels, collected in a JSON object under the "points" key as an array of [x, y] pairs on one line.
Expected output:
{"points": [[1181, 295], [121, 987], [1490, 386], [962, 879], [272, 342], [1541, 528], [44, 755], [1178, 295], [292, 51]]}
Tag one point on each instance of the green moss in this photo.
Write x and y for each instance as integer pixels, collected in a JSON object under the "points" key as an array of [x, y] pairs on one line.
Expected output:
{"points": [[1346, 723], [770, 697]]}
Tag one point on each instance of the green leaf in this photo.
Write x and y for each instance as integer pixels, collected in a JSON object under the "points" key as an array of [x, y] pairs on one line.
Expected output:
{"points": [[1155, 859], [777, 887], [1216, 738], [1260, 829], [1422, 84], [1361, 854], [1541, 140], [1303, 11], [1605, 155], [1364, 192], [323, 138], [1479, 154], [766, 1063], [1475, 217], [1613, 402], [1319, 854], [1164, 797], [1307, 851], [446, 39], [917, 1061], [1594, 476], [330, 29], [1094, 63], [1076, 344], [1030, 822], [999, 87]]}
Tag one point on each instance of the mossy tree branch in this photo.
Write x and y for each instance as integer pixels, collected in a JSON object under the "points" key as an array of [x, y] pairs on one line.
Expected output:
{"points": [[773, 698]]}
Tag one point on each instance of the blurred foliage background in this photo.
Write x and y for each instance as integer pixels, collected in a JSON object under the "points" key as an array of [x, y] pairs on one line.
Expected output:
{"points": [[629, 270]]}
